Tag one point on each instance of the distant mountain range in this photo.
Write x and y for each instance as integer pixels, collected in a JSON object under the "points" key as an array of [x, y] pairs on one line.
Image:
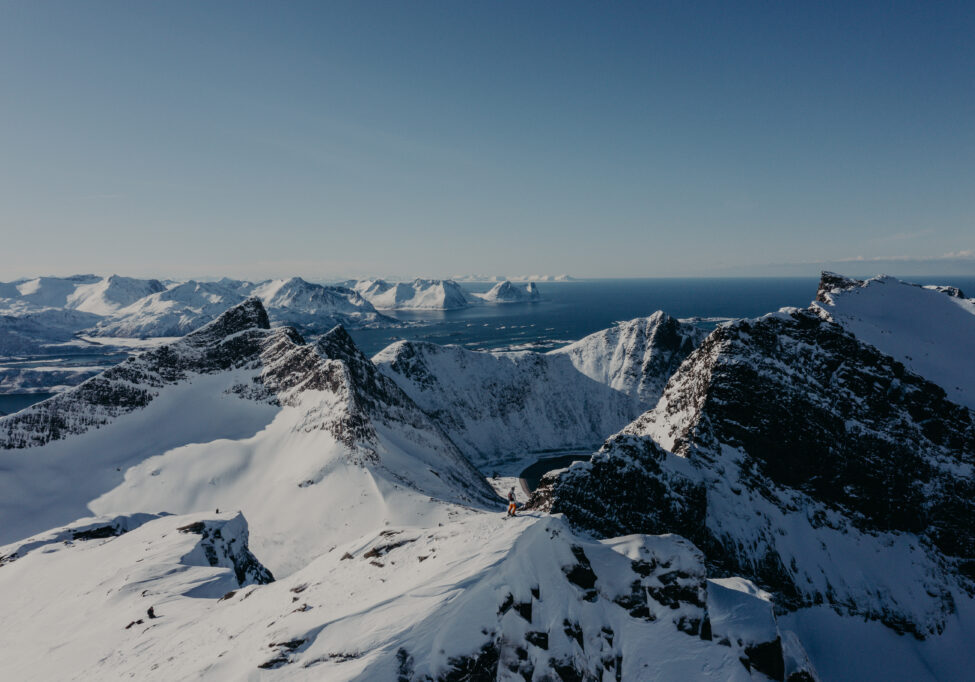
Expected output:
{"points": [[46, 311]]}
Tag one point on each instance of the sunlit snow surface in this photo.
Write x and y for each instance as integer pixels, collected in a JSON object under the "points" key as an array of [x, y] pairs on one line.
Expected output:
{"points": [[928, 330]]}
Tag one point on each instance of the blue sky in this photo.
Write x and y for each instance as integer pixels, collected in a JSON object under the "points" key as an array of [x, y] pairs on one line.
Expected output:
{"points": [[259, 139]]}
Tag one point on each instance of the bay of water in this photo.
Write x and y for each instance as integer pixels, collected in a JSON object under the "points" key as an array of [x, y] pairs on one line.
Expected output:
{"points": [[572, 310], [13, 402]]}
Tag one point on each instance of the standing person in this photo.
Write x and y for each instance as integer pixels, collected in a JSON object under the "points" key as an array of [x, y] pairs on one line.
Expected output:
{"points": [[511, 502]]}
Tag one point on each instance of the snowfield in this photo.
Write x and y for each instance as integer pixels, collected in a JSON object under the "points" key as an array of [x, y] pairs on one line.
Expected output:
{"points": [[929, 329]]}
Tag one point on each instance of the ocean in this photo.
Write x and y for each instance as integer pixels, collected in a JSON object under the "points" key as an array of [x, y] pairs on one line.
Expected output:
{"points": [[572, 310]]}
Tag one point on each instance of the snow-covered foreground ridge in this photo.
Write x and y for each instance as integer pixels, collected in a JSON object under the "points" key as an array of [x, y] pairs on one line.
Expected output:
{"points": [[794, 496]]}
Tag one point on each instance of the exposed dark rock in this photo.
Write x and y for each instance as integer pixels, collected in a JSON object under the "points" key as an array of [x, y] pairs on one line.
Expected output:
{"points": [[109, 531], [479, 667], [524, 609], [792, 413], [581, 574], [573, 631], [767, 659], [231, 550], [382, 550], [539, 639]]}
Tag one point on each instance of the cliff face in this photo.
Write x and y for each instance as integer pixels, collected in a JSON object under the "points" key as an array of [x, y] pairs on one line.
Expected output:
{"points": [[497, 405], [804, 459], [636, 357]]}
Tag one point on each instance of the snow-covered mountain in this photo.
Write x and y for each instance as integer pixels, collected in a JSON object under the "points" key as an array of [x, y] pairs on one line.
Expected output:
{"points": [[29, 333], [476, 598], [799, 457], [109, 294], [173, 312], [240, 416], [636, 357], [929, 329], [314, 308], [30, 295], [420, 294], [126, 307], [506, 292], [495, 405], [354, 499]]}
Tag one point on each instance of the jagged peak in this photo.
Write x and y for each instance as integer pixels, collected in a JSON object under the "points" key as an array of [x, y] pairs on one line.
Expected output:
{"points": [[337, 344], [831, 282], [247, 315]]}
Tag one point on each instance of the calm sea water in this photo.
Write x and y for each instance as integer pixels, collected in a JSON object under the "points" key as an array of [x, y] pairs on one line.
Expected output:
{"points": [[18, 401], [571, 310]]}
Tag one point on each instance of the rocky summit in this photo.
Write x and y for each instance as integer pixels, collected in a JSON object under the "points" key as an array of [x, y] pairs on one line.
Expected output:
{"points": [[799, 457]]}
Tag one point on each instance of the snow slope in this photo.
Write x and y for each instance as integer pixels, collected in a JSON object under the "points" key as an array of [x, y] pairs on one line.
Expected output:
{"points": [[420, 294], [929, 329], [41, 292], [239, 416], [173, 312], [314, 308], [108, 295], [636, 357], [495, 405], [477, 597]]}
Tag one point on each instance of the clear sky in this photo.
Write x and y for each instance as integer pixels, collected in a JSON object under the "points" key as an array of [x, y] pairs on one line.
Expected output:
{"points": [[330, 139]]}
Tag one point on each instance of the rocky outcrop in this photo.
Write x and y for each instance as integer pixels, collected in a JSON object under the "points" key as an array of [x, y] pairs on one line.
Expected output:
{"points": [[224, 543], [831, 283], [791, 444]]}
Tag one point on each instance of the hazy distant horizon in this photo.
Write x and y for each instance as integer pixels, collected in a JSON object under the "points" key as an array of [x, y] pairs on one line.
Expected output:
{"points": [[767, 272]]}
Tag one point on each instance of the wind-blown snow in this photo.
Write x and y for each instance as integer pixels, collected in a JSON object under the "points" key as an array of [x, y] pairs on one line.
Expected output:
{"points": [[931, 331]]}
